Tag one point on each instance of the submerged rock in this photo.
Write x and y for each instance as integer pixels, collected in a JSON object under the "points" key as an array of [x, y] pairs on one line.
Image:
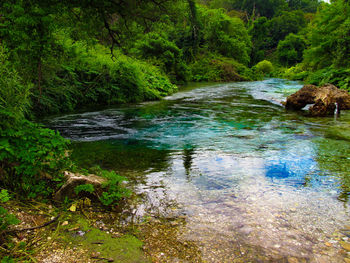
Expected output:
{"points": [[326, 100], [75, 179]]}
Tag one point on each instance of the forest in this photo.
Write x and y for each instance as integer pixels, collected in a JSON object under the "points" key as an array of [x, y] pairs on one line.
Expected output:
{"points": [[64, 56]]}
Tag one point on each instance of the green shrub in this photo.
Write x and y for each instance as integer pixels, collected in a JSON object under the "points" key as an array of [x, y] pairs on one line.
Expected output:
{"points": [[159, 51], [6, 219], [264, 67], [31, 158], [114, 191], [338, 77], [89, 188], [295, 73], [90, 76], [217, 68]]}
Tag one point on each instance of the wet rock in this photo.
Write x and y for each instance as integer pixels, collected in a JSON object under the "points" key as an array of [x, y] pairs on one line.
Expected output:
{"points": [[328, 244], [345, 245], [293, 260], [75, 179], [324, 99]]}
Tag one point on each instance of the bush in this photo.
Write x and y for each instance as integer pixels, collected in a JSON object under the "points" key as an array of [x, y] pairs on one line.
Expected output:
{"points": [[114, 191], [159, 51], [338, 77], [295, 73], [6, 219], [31, 158], [264, 67], [91, 77], [217, 68]]}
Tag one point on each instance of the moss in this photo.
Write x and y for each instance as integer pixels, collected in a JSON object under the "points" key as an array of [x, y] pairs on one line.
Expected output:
{"points": [[126, 248]]}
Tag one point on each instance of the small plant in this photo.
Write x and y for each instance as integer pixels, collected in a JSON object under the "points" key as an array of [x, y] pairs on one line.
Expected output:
{"points": [[114, 191], [6, 219], [4, 196], [89, 188]]}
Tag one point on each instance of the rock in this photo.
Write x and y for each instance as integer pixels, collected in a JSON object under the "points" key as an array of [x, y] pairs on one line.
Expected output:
{"points": [[324, 99], [328, 244], [95, 254], [75, 179], [293, 260], [345, 245]]}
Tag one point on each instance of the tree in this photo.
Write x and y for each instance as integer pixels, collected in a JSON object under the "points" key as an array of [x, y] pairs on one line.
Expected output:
{"points": [[290, 50], [286, 23], [329, 37], [26, 27], [225, 35]]}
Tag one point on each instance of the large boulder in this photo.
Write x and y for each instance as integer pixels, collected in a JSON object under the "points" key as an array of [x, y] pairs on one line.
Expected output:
{"points": [[75, 179], [325, 100]]}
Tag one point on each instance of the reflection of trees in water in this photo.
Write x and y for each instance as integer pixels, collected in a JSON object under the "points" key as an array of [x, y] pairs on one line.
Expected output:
{"points": [[188, 160], [121, 156], [333, 156]]}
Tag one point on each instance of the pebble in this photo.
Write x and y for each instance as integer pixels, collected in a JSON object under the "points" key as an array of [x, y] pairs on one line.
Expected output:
{"points": [[95, 254], [345, 245], [174, 223], [80, 233], [328, 244], [292, 260]]}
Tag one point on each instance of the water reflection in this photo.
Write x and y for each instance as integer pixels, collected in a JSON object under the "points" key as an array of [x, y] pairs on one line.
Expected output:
{"points": [[188, 153]]}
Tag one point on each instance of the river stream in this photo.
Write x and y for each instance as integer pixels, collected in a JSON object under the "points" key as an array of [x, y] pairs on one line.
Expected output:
{"points": [[252, 181]]}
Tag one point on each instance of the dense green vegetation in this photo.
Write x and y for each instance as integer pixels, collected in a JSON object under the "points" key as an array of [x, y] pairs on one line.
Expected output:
{"points": [[59, 56]]}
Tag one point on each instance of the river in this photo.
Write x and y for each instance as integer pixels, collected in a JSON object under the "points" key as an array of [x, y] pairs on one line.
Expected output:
{"points": [[251, 181]]}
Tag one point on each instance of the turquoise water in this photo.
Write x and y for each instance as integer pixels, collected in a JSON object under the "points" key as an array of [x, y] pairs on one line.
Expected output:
{"points": [[237, 165]]}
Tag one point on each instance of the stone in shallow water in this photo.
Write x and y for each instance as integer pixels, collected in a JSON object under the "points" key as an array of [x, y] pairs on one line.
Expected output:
{"points": [[324, 99], [292, 260], [345, 245]]}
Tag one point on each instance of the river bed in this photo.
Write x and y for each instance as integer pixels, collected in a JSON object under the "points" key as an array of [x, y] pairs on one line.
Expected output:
{"points": [[251, 181]]}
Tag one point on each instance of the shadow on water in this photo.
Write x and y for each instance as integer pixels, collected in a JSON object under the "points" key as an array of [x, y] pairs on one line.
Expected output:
{"points": [[122, 156]]}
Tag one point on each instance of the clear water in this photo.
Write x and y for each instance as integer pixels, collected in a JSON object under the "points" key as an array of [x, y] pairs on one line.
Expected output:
{"points": [[247, 175]]}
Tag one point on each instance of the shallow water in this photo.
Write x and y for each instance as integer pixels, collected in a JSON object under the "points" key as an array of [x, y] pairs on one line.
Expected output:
{"points": [[253, 181]]}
